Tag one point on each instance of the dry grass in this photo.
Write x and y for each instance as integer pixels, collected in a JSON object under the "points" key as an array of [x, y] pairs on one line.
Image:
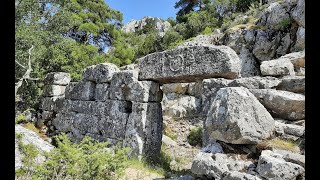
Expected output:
{"points": [[31, 127], [279, 144], [170, 133]]}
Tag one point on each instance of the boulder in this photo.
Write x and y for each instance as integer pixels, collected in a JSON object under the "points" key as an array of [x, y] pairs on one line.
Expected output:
{"points": [[275, 16], [294, 84], [282, 104], [277, 67], [102, 92], [53, 90], [300, 40], [265, 46], [213, 148], [290, 129], [179, 105], [188, 64], [298, 13], [249, 65], [125, 86], [235, 175], [284, 46], [237, 117], [30, 137], [273, 166], [100, 73], [292, 157], [83, 90], [256, 82], [57, 78]]}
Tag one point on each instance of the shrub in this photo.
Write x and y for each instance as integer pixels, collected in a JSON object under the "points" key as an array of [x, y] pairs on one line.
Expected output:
{"points": [[88, 159], [207, 30], [195, 136]]}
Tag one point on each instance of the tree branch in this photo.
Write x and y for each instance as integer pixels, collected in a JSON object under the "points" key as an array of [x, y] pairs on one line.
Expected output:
{"points": [[20, 64]]}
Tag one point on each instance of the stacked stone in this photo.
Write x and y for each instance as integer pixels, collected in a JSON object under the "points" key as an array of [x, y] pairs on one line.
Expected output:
{"points": [[113, 105], [53, 97]]}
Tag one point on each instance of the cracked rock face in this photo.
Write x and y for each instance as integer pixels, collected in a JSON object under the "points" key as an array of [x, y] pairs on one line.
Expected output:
{"points": [[237, 117], [187, 64]]}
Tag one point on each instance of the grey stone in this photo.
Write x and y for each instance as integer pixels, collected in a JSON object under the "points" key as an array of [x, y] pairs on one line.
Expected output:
{"points": [[63, 122], [57, 78], [187, 64], [179, 88], [234, 39], [237, 117], [277, 67], [284, 45], [129, 67], [272, 166], [86, 123], [250, 66], [235, 175], [195, 89], [210, 165], [30, 137], [83, 90], [300, 40], [88, 107], [213, 148], [100, 73], [168, 141], [256, 82], [275, 15], [53, 90], [292, 157], [52, 103], [102, 92], [125, 86], [294, 84], [300, 72], [264, 48], [46, 115], [298, 13], [282, 104], [179, 105], [296, 58], [249, 36]]}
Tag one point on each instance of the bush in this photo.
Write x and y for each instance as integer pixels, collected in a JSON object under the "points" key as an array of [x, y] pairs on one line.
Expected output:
{"points": [[88, 159], [195, 137], [207, 30]]}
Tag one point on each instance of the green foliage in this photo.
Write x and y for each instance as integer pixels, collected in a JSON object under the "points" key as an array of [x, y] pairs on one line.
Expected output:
{"points": [[207, 30], [195, 137], [284, 24], [171, 38], [88, 159]]}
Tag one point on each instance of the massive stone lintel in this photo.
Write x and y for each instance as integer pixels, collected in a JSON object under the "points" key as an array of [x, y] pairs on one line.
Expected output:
{"points": [[189, 64]]}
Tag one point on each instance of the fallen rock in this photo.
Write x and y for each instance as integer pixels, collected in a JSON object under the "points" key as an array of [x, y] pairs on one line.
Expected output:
{"points": [[282, 104], [235, 175], [83, 90], [277, 67], [294, 84], [100, 73], [57, 78], [237, 117], [125, 86], [187, 64], [30, 137], [213, 148], [292, 157], [273, 166], [296, 58]]}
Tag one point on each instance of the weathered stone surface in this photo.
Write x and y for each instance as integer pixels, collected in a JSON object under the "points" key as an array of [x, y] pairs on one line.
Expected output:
{"points": [[195, 89], [294, 84], [179, 105], [274, 16], [125, 86], [179, 88], [298, 13], [235, 175], [290, 129], [277, 67], [249, 65], [292, 157], [213, 148], [64, 121], [296, 58], [144, 129], [100, 73], [204, 39], [102, 92], [52, 103], [234, 39], [30, 137], [237, 117], [168, 141], [282, 104], [264, 48], [53, 90], [210, 165], [284, 45], [300, 72], [129, 67], [88, 107], [187, 64], [272, 166], [300, 40], [46, 115], [86, 123], [256, 82], [83, 90], [57, 78]]}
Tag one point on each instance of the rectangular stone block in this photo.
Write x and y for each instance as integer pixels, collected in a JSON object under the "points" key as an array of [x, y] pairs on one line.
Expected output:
{"points": [[57, 78], [102, 92], [83, 90], [100, 73], [189, 64], [53, 90]]}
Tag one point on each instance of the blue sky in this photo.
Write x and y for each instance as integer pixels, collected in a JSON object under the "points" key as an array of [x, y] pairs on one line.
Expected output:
{"points": [[137, 9]]}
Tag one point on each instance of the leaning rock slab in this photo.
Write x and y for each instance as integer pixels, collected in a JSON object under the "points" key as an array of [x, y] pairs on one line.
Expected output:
{"points": [[277, 67], [188, 64], [237, 117], [282, 104], [57, 78], [273, 166]]}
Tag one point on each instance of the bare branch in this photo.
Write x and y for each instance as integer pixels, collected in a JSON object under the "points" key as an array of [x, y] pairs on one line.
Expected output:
{"points": [[20, 64]]}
